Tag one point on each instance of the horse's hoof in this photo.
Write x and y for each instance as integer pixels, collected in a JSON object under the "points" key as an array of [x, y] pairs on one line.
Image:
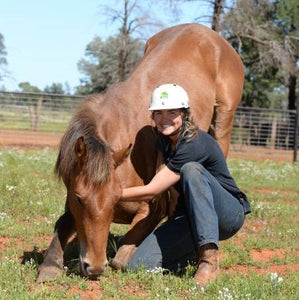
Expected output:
{"points": [[48, 274], [116, 265]]}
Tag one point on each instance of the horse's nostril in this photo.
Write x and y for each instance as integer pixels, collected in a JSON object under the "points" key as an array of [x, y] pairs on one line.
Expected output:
{"points": [[92, 271], [85, 267]]}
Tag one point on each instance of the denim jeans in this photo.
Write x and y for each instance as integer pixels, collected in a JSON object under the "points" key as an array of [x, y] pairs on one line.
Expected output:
{"points": [[210, 214]]}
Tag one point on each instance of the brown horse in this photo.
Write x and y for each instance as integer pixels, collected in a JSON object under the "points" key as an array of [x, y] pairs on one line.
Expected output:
{"points": [[97, 159]]}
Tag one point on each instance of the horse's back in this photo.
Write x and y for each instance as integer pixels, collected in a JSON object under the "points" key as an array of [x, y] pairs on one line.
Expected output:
{"points": [[195, 52], [183, 39]]}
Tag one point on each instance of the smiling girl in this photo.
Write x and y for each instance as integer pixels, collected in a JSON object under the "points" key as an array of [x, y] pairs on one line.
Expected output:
{"points": [[210, 205]]}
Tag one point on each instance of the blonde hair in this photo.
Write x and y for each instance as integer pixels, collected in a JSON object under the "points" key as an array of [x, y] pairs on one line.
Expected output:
{"points": [[190, 130]]}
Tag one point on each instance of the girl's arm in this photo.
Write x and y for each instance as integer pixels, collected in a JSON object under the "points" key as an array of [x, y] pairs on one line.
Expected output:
{"points": [[161, 182]]}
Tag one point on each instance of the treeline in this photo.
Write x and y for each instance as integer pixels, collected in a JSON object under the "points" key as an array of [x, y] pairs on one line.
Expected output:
{"points": [[264, 32]]}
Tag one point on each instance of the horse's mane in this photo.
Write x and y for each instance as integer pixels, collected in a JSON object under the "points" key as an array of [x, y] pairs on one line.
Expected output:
{"points": [[97, 164]]}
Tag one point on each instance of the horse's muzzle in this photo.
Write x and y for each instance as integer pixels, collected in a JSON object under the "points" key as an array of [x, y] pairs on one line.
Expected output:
{"points": [[92, 272]]}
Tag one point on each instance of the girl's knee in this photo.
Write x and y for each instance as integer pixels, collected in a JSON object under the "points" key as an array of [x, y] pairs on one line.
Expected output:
{"points": [[147, 255], [148, 263], [191, 169]]}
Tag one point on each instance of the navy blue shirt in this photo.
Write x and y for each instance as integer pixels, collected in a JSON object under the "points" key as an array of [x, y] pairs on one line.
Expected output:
{"points": [[203, 149]]}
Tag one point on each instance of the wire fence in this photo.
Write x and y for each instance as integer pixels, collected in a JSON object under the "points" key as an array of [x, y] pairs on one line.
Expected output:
{"points": [[255, 130], [37, 112], [265, 131]]}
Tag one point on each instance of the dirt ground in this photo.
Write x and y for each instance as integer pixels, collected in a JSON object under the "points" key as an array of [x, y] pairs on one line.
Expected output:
{"points": [[29, 139], [36, 140], [40, 140], [94, 290]]}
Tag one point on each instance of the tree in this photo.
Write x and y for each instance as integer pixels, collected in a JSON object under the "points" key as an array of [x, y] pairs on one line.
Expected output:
{"points": [[132, 19], [26, 87], [265, 33], [288, 24], [3, 61], [112, 60], [217, 11], [217, 8], [101, 68], [55, 88], [254, 28]]}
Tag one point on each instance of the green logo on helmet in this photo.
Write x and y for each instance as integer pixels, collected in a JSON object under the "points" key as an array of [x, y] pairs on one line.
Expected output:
{"points": [[164, 95]]}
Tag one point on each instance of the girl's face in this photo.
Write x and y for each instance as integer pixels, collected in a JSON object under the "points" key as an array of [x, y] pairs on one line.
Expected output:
{"points": [[168, 121]]}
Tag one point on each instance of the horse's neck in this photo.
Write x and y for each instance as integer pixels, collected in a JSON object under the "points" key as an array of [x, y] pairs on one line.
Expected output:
{"points": [[123, 113]]}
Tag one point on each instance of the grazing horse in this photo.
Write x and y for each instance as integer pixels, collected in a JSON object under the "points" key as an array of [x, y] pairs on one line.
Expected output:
{"points": [[110, 144]]}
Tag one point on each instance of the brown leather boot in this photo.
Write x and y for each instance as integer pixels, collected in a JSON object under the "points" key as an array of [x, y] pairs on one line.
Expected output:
{"points": [[208, 264]]}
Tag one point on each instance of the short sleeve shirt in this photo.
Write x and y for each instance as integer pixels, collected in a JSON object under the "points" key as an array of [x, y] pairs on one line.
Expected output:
{"points": [[203, 149]]}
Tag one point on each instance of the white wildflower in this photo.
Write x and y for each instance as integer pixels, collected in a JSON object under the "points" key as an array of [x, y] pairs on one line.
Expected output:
{"points": [[3, 215], [10, 187], [225, 294], [156, 270], [275, 279]]}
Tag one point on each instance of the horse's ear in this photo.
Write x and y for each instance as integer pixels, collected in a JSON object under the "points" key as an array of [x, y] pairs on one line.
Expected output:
{"points": [[120, 156], [80, 148]]}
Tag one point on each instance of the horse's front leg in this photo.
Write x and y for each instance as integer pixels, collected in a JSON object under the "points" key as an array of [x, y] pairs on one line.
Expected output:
{"points": [[145, 221], [52, 265]]}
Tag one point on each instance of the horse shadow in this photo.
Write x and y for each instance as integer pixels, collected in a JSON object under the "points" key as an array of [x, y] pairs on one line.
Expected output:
{"points": [[71, 254]]}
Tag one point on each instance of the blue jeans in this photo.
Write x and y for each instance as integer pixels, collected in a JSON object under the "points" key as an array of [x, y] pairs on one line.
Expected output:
{"points": [[210, 214]]}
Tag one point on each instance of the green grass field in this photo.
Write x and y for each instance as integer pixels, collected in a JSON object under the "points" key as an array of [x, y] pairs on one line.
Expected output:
{"points": [[32, 199], [50, 121]]}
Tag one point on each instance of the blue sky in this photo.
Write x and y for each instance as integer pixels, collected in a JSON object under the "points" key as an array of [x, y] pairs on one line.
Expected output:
{"points": [[45, 39]]}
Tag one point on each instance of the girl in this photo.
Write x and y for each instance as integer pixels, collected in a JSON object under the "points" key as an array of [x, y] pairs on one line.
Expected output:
{"points": [[210, 205]]}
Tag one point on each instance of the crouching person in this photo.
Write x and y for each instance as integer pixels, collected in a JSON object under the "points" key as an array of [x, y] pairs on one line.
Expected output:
{"points": [[210, 205]]}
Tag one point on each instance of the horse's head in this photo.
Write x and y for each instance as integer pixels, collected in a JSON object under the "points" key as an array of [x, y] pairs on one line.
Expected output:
{"points": [[93, 190]]}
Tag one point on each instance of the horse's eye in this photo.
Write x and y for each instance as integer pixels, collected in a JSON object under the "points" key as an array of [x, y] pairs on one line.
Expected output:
{"points": [[79, 200]]}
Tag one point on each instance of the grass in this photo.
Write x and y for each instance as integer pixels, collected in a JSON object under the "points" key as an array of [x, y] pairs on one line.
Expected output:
{"points": [[50, 121], [32, 199]]}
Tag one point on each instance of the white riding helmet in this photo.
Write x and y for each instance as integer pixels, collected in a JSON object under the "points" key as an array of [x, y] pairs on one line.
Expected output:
{"points": [[169, 96]]}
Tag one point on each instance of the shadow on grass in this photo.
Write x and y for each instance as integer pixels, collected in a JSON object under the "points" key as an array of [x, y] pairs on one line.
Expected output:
{"points": [[71, 254]]}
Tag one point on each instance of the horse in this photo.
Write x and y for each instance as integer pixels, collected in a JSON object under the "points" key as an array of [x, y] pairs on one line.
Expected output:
{"points": [[110, 143]]}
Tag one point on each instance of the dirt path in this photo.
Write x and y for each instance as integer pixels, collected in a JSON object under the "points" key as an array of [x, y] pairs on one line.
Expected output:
{"points": [[29, 139], [39, 140]]}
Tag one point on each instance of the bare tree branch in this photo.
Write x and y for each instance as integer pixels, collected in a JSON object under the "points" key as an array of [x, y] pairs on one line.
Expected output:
{"points": [[132, 20]]}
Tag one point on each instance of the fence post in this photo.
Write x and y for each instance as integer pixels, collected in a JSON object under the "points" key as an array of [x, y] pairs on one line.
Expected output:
{"points": [[31, 114], [296, 131], [38, 112], [273, 132]]}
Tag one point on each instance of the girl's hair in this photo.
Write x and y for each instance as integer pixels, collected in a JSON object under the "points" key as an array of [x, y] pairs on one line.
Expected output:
{"points": [[190, 130]]}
